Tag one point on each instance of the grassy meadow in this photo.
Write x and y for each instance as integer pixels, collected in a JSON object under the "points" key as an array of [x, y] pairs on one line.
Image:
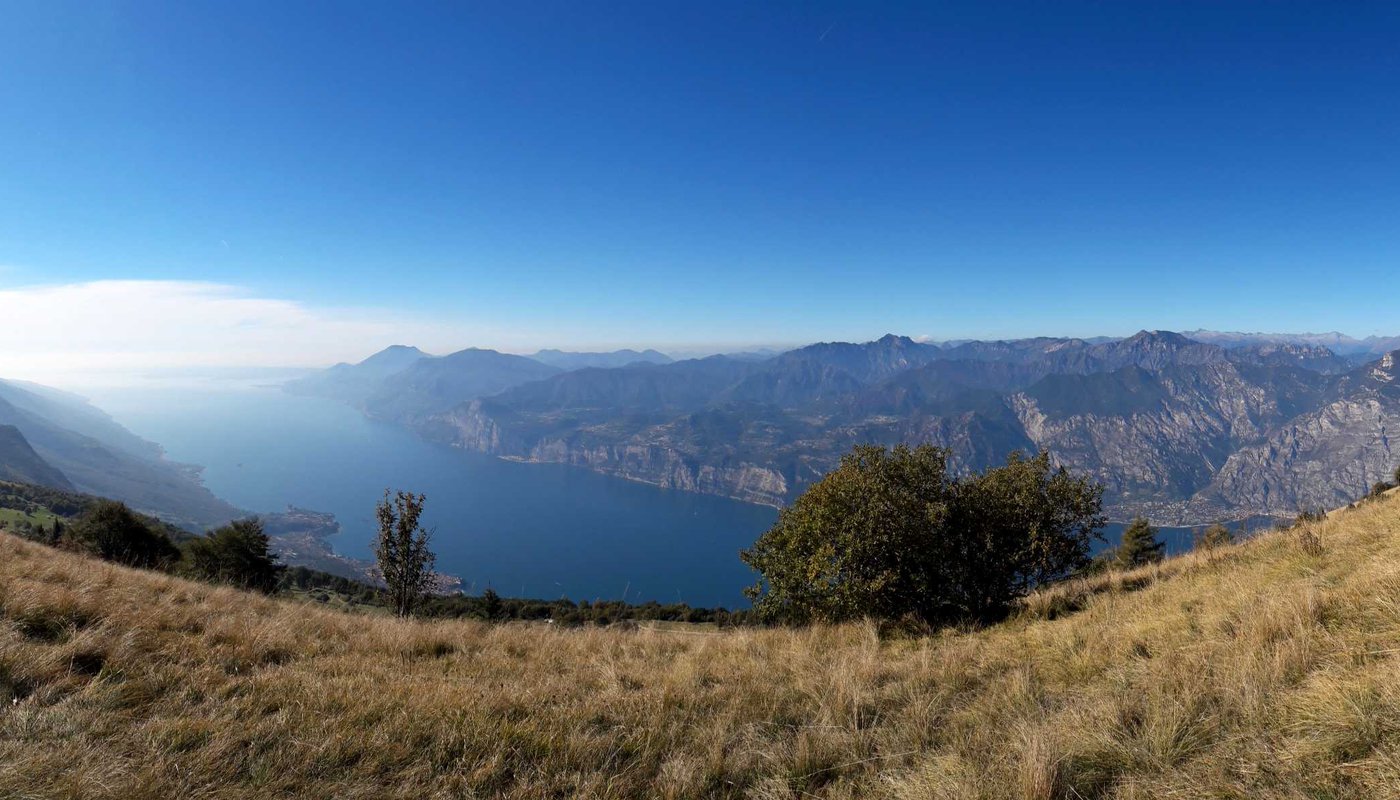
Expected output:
{"points": [[1269, 669]]}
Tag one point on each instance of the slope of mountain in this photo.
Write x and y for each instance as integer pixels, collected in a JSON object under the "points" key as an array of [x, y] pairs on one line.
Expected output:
{"points": [[108, 460], [20, 464], [353, 383], [1322, 457], [432, 385], [75, 413], [1339, 343], [1156, 417], [1285, 354], [615, 358], [1262, 670], [639, 388]]}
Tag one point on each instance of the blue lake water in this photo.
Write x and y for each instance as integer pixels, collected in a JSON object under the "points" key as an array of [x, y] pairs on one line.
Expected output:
{"points": [[523, 529], [1180, 540]]}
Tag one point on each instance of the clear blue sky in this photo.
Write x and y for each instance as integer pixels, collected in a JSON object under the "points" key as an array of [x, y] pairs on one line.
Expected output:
{"points": [[666, 172]]}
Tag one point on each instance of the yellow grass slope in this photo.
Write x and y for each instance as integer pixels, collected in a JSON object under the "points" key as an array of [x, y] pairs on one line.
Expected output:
{"points": [[1266, 670]]}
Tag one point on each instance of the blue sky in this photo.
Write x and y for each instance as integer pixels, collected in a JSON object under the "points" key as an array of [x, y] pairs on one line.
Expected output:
{"points": [[598, 174]]}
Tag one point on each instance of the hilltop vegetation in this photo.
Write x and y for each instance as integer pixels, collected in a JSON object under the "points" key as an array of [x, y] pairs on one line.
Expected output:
{"points": [[1262, 670]]}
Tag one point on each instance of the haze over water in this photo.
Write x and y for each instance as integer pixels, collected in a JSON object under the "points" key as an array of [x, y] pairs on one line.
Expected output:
{"points": [[523, 529]]}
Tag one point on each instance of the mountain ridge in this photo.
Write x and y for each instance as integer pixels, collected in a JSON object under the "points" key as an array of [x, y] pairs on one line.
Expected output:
{"points": [[1155, 416], [1171, 424]]}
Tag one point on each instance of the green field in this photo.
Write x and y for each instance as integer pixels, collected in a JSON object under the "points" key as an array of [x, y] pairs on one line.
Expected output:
{"points": [[10, 517]]}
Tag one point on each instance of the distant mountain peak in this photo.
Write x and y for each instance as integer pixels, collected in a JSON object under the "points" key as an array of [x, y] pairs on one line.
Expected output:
{"points": [[397, 354], [1165, 337], [892, 339]]}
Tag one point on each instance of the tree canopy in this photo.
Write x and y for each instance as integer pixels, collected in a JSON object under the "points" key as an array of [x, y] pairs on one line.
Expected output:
{"points": [[891, 533], [111, 531], [237, 554]]}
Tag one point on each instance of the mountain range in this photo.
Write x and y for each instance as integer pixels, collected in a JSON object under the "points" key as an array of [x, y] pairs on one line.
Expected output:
{"points": [[1185, 429]]}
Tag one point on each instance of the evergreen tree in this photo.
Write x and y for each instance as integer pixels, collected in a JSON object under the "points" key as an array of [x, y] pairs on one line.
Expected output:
{"points": [[402, 551], [1140, 545], [237, 554], [491, 605]]}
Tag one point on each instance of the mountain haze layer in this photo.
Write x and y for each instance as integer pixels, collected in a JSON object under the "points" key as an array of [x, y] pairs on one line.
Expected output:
{"points": [[20, 464], [59, 440]]}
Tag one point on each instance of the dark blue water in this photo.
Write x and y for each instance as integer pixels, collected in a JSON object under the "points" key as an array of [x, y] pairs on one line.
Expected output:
{"points": [[1180, 540], [523, 529]]}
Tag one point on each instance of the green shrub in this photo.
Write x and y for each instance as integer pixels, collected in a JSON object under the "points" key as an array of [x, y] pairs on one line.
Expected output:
{"points": [[111, 531], [890, 534], [236, 554], [1217, 535]]}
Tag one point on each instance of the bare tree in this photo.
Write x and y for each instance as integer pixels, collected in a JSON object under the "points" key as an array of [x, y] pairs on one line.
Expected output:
{"points": [[402, 550]]}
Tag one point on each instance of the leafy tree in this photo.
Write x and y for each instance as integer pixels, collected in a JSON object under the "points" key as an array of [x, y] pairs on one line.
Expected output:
{"points": [[1019, 526], [1216, 535], [111, 531], [1140, 545], [236, 554], [890, 534], [402, 551]]}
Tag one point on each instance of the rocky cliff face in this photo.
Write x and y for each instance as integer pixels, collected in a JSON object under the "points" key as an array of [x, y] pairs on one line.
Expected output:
{"points": [[1184, 432], [649, 456], [1320, 459]]}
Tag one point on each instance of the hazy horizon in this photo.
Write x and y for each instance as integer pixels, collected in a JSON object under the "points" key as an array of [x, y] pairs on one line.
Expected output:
{"points": [[96, 375]]}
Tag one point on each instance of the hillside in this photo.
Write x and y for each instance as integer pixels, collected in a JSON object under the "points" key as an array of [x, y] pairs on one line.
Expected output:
{"points": [[1264, 670], [20, 464], [96, 455]]}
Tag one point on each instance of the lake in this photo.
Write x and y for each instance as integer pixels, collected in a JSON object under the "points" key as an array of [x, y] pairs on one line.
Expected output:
{"points": [[535, 530], [526, 530]]}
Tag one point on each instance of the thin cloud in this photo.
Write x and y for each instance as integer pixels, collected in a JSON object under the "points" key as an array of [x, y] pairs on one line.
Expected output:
{"points": [[107, 330]]}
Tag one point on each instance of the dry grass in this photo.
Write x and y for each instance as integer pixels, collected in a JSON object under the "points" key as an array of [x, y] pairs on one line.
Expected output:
{"points": [[1258, 671]]}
